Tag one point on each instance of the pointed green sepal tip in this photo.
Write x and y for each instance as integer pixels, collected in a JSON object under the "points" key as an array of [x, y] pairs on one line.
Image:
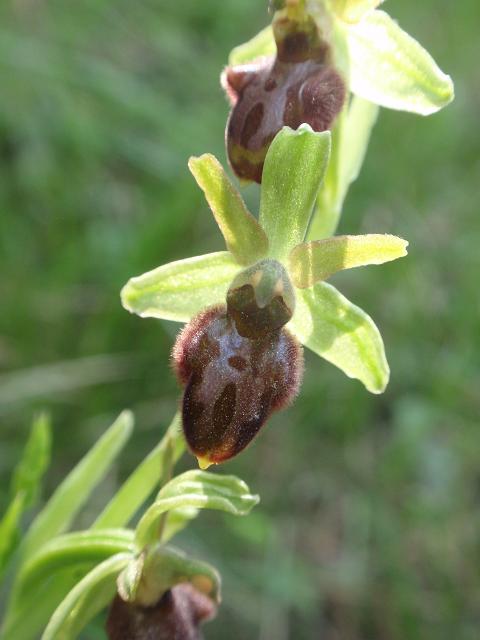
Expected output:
{"points": [[337, 330]]}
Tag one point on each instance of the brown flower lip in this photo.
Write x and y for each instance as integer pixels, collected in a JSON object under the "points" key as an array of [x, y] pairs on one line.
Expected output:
{"points": [[232, 383], [298, 85]]}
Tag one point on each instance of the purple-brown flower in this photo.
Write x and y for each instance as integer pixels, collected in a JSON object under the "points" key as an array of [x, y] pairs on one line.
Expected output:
{"points": [[298, 85], [176, 616]]}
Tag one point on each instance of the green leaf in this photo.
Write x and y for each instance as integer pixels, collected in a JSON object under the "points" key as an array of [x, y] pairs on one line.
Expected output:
{"points": [[263, 44], [33, 611], [331, 326], [350, 139], [354, 10], [137, 488], [92, 594], [314, 261], [26, 482], [74, 491], [179, 290], [200, 490], [10, 531], [72, 549], [244, 237], [147, 577], [35, 460], [294, 168], [390, 68]]}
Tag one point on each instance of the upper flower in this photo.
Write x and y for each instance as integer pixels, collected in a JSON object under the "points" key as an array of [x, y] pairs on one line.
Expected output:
{"points": [[379, 64], [297, 85], [321, 317]]}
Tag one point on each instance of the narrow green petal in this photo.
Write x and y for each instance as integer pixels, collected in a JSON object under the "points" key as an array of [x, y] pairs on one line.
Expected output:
{"points": [[390, 68], [354, 10], [294, 169], [244, 237], [263, 44], [179, 290], [335, 329], [315, 261], [92, 594]]}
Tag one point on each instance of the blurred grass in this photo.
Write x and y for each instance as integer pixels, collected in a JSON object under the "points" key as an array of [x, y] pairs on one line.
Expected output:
{"points": [[369, 525]]}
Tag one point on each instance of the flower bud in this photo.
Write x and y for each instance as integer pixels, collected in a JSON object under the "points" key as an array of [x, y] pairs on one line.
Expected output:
{"points": [[177, 615], [298, 85], [261, 299], [233, 383]]}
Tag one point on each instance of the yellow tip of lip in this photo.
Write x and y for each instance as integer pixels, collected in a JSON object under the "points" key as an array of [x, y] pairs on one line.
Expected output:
{"points": [[204, 463]]}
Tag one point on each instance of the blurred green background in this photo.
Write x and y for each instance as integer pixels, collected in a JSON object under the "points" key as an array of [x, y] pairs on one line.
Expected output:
{"points": [[369, 526]]}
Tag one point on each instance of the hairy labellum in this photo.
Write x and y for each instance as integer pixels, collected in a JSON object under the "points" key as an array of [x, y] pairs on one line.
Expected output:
{"points": [[299, 85], [176, 616], [232, 383]]}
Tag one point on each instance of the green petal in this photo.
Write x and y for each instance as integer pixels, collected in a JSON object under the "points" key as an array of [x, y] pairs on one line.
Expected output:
{"points": [[244, 237], [294, 168], [390, 68], [179, 290], [263, 44], [354, 10], [92, 594], [314, 261], [200, 490], [331, 326]]}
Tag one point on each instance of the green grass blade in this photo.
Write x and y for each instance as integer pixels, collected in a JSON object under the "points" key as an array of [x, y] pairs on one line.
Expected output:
{"points": [[142, 482], [74, 491]]}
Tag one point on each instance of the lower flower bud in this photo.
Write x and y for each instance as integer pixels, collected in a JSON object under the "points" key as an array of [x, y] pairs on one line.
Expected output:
{"points": [[233, 383], [176, 616]]}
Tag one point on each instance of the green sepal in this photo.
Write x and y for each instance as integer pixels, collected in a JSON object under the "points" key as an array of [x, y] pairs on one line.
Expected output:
{"points": [[244, 237], [87, 598], [180, 290], [295, 165], [335, 329], [147, 577], [312, 262], [390, 68], [198, 489], [263, 44]]}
